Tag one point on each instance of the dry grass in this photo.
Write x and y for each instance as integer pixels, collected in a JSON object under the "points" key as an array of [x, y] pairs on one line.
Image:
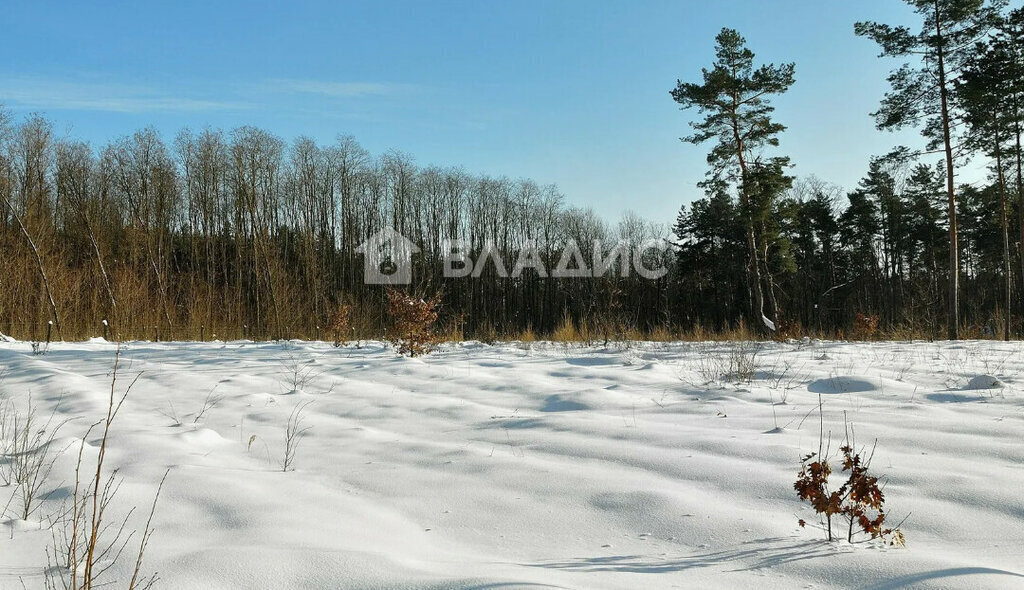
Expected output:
{"points": [[87, 540], [527, 335], [566, 332]]}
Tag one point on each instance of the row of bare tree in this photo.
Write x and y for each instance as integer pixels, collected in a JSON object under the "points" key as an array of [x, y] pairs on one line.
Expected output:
{"points": [[241, 233]]}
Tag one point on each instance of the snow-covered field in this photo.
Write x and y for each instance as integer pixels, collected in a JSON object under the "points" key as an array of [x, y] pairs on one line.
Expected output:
{"points": [[536, 465]]}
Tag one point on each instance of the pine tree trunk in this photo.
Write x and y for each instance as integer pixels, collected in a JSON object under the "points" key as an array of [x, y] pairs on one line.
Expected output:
{"points": [[954, 253], [1020, 200], [754, 264], [1005, 220], [770, 299]]}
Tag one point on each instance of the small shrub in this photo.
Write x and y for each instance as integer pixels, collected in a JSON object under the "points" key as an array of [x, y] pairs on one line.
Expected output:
{"points": [[341, 323], [27, 458], [707, 363], [718, 363], [859, 500], [743, 362], [298, 373], [414, 319], [865, 327]]}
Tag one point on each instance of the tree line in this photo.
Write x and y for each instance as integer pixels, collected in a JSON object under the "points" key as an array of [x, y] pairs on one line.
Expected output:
{"points": [[909, 246], [242, 233]]}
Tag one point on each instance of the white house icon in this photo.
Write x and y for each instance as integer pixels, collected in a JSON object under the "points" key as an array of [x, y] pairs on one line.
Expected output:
{"points": [[387, 258]]}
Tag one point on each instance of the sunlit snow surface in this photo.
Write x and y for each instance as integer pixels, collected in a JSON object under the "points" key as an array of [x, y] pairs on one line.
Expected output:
{"points": [[535, 465]]}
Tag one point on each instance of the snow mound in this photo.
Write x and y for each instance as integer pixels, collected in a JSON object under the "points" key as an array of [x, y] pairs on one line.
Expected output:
{"points": [[5, 338], [842, 384], [984, 382], [202, 437]]}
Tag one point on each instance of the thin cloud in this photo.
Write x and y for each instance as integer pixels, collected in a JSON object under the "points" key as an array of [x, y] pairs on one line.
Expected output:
{"points": [[46, 94], [338, 89]]}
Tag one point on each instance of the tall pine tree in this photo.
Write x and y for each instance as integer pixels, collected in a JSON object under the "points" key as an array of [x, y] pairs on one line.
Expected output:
{"points": [[1010, 39], [737, 115], [984, 91], [923, 93]]}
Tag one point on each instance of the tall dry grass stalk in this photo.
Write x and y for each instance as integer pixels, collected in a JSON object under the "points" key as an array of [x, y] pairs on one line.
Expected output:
{"points": [[88, 540]]}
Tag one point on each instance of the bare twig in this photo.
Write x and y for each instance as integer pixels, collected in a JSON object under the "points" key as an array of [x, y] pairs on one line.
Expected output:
{"points": [[295, 430]]}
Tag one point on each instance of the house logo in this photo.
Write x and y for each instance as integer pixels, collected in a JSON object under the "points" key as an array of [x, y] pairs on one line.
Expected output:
{"points": [[387, 258]]}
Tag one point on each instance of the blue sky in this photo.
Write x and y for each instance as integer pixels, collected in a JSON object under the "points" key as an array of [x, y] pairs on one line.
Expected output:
{"points": [[567, 92]]}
